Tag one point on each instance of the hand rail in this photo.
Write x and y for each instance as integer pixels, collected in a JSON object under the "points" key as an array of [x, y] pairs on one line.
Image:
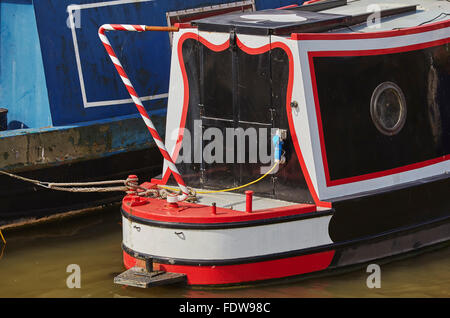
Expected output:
{"points": [[134, 96]]}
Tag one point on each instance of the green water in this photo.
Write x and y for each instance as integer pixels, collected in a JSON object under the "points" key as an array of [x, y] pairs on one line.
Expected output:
{"points": [[34, 262]]}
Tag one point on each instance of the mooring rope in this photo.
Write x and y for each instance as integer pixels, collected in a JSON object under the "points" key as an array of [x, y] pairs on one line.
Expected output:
{"points": [[76, 186], [130, 186]]}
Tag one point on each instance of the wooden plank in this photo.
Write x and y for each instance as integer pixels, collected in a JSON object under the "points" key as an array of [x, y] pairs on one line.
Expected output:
{"points": [[320, 6], [139, 277]]}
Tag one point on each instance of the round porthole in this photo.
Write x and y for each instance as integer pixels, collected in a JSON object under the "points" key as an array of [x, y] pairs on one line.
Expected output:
{"points": [[388, 108]]}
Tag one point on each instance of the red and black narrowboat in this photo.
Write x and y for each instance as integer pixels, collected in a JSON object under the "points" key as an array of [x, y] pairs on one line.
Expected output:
{"points": [[355, 115]]}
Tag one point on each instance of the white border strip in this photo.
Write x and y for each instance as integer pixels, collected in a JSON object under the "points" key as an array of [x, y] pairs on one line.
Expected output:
{"points": [[70, 9]]}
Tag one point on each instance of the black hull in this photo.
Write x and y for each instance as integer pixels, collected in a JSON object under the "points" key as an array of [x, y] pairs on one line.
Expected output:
{"points": [[24, 202], [395, 243], [390, 210], [382, 249]]}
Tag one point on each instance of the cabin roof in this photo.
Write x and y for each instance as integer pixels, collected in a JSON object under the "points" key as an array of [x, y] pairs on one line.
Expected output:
{"points": [[266, 22], [330, 16], [427, 11]]}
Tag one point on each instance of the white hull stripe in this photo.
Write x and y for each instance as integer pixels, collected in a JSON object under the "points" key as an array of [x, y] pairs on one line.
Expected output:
{"points": [[226, 244]]}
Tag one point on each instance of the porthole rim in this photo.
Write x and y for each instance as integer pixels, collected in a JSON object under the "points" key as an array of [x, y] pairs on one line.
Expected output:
{"points": [[403, 108]]}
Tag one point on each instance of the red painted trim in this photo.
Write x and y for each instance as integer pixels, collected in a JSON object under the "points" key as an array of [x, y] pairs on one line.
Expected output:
{"points": [[186, 25], [128, 260], [244, 273], [311, 1], [377, 174], [253, 51], [371, 35], [390, 171], [192, 213], [288, 7]]}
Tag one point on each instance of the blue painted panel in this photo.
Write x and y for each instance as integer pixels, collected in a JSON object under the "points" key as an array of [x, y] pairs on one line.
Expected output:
{"points": [[145, 56], [23, 88]]}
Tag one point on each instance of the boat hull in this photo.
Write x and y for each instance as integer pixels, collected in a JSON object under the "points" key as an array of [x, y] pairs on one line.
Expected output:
{"points": [[212, 250], [96, 151], [24, 203], [374, 167], [69, 118], [321, 260]]}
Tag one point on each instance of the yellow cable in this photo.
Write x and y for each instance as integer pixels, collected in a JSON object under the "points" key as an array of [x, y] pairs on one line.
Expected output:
{"points": [[3, 251], [231, 189], [3, 238]]}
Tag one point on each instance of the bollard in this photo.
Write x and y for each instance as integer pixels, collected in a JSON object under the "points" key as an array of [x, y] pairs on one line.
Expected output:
{"points": [[172, 199], [248, 201], [213, 208], [132, 184]]}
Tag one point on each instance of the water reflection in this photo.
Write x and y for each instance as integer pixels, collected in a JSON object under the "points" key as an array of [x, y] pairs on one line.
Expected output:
{"points": [[34, 261]]}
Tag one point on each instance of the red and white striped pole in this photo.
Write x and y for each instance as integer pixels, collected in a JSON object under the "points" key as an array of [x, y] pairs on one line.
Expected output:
{"points": [[134, 96]]}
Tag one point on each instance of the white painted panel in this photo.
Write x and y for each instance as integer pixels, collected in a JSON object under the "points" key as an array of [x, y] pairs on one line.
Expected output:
{"points": [[225, 244]]}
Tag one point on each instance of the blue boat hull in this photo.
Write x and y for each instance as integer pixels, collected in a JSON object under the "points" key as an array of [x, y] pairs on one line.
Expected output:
{"points": [[69, 116]]}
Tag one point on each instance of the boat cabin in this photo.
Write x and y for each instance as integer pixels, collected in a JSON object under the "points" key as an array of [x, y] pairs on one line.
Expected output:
{"points": [[344, 98]]}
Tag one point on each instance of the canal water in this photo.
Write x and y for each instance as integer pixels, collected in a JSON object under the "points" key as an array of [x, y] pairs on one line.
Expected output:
{"points": [[34, 261]]}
